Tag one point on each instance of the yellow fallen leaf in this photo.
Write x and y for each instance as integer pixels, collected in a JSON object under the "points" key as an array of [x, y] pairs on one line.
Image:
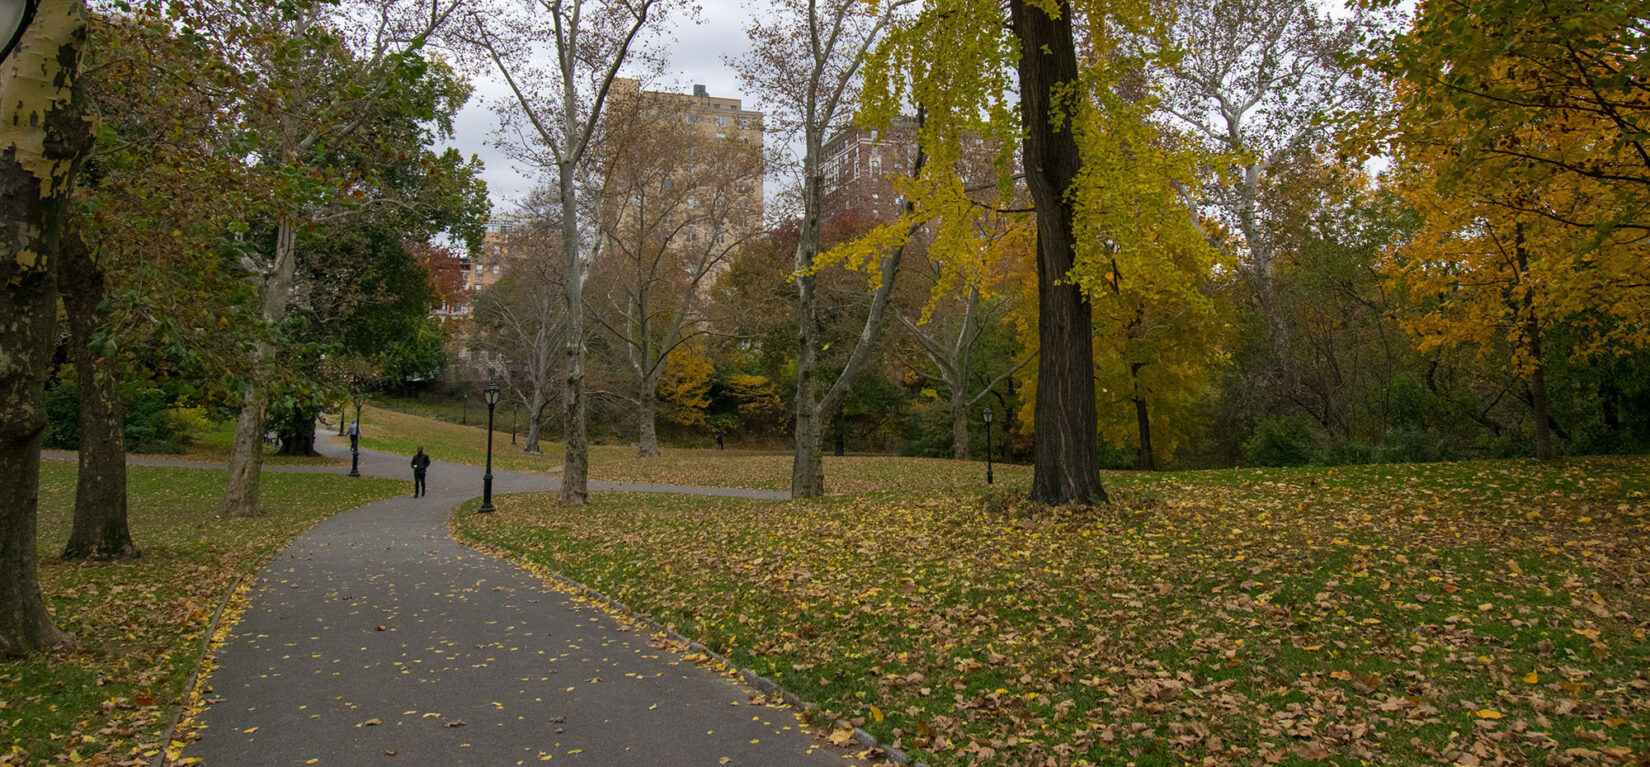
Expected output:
{"points": [[876, 714], [250, 730], [1532, 678], [1488, 713]]}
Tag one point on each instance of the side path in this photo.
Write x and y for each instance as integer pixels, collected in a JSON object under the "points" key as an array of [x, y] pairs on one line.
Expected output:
{"points": [[376, 638]]}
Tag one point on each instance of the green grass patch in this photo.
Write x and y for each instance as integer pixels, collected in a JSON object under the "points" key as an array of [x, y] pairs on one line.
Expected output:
{"points": [[1489, 612], [213, 445], [139, 623], [756, 470], [402, 433]]}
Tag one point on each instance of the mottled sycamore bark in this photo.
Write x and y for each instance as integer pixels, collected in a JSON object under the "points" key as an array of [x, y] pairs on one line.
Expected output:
{"points": [[100, 530], [1065, 462], [246, 454], [575, 472], [42, 136]]}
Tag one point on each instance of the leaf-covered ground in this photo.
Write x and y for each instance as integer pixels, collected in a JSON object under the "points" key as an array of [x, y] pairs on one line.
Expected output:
{"points": [[1471, 613], [139, 623]]}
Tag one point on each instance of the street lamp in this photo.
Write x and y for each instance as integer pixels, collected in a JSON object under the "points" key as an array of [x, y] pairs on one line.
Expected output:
{"points": [[513, 406], [355, 437], [491, 393], [987, 417], [15, 16], [343, 411]]}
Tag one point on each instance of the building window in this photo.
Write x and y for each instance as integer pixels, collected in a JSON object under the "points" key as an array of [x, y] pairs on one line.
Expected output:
{"points": [[721, 121], [692, 118], [873, 134], [495, 269], [744, 122], [720, 134]]}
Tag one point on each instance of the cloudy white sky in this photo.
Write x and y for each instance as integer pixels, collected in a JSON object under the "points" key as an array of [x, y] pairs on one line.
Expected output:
{"points": [[698, 54]]}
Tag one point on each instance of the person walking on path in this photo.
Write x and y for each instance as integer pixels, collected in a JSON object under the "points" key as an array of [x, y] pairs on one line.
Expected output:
{"points": [[420, 462]]}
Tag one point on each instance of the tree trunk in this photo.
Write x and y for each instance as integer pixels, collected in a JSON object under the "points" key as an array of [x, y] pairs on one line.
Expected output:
{"points": [[1066, 458], [100, 529], [647, 439], [1609, 397], [535, 415], [299, 442], [1143, 421], [807, 465], [1260, 264], [1141, 416], [1532, 339], [246, 455], [959, 423], [42, 137], [1538, 403], [575, 471]]}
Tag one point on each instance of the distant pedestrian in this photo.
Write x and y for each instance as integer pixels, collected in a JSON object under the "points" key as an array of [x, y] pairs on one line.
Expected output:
{"points": [[420, 462]]}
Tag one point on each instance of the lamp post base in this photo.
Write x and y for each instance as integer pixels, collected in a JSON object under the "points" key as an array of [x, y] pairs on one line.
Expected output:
{"points": [[486, 495], [355, 463]]}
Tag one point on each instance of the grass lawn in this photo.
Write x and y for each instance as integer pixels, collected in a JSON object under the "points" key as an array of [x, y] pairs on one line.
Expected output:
{"points": [[1467, 613], [214, 446], [139, 623], [772, 471], [401, 433]]}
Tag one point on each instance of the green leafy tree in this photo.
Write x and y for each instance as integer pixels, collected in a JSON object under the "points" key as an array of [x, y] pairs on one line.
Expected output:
{"points": [[310, 85]]}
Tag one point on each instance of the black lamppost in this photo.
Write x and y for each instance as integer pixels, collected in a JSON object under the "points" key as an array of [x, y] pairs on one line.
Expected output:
{"points": [[513, 405], [355, 437], [491, 393], [987, 417], [343, 411]]}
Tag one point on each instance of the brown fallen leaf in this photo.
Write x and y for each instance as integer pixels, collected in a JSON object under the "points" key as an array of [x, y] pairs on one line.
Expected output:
{"points": [[454, 723]]}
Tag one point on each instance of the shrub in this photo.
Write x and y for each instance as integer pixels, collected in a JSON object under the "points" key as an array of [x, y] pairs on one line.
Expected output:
{"points": [[152, 424], [1280, 441]]}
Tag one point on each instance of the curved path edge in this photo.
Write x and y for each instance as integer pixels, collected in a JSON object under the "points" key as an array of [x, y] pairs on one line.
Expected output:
{"points": [[380, 594]]}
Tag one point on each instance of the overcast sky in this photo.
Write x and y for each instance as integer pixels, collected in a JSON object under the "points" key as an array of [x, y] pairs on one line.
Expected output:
{"points": [[696, 56]]}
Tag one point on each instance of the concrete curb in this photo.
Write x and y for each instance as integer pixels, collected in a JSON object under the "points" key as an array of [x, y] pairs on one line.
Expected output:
{"points": [[812, 712], [164, 758]]}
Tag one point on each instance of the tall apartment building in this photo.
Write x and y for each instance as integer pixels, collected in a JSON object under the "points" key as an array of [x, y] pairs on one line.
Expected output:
{"points": [[497, 249], [711, 118], [860, 165]]}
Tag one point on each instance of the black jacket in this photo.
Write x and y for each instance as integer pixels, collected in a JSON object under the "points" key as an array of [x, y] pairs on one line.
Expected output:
{"points": [[421, 461]]}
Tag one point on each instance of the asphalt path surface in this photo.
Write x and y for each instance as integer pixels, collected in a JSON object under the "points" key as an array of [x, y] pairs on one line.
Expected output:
{"points": [[375, 638]]}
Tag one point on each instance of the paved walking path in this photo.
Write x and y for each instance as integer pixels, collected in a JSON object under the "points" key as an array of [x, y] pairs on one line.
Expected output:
{"points": [[374, 638]]}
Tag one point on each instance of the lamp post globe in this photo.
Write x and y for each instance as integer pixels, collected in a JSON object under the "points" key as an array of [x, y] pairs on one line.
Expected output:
{"points": [[491, 395], [15, 16], [986, 416]]}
